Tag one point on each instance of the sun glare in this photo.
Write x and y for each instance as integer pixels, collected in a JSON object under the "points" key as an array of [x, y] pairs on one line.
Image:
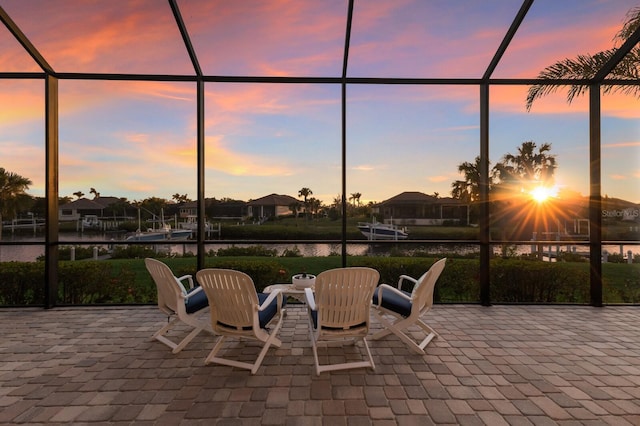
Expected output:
{"points": [[542, 193]]}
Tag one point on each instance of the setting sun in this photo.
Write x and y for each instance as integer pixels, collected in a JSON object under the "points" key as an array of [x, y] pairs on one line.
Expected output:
{"points": [[542, 193]]}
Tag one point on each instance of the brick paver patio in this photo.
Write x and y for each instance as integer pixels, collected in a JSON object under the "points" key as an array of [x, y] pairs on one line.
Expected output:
{"points": [[503, 365]]}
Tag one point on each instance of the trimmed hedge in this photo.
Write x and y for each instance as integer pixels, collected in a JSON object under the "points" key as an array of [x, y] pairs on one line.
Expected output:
{"points": [[21, 283], [512, 280], [79, 283]]}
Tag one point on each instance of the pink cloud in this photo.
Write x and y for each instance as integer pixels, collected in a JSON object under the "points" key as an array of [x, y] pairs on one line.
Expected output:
{"points": [[13, 57], [255, 37], [621, 144], [136, 36], [544, 40]]}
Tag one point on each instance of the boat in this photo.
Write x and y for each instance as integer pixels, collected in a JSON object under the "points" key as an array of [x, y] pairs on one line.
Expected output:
{"points": [[381, 231], [163, 234], [192, 224], [90, 221]]}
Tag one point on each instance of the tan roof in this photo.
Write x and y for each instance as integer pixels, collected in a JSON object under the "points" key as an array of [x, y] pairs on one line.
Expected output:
{"points": [[106, 201], [83, 204], [274, 200], [410, 197], [416, 197]]}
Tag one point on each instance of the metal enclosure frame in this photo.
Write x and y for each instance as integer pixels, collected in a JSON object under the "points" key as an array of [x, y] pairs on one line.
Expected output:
{"points": [[51, 78]]}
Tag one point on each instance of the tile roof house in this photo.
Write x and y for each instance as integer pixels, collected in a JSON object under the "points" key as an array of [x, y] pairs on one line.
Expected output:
{"points": [[272, 205], [188, 209], [215, 209], [79, 208], [417, 208], [82, 207]]}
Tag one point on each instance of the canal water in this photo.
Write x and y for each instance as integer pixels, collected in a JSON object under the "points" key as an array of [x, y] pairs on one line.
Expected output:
{"points": [[30, 252]]}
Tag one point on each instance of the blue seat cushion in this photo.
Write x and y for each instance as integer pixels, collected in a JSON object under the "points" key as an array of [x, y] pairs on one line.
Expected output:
{"points": [[196, 302], [267, 315], [394, 302]]}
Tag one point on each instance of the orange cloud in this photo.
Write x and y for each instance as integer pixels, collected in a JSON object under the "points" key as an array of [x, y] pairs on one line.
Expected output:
{"points": [[618, 177], [438, 179], [26, 160], [365, 168], [21, 101], [137, 138], [513, 98], [220, 158]]}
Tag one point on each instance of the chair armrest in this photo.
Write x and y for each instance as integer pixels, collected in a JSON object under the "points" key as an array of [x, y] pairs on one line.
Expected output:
{"points": [[311, 301], [387, 287], [195, 291], [269, 299], [406, 278], [189, 278]]}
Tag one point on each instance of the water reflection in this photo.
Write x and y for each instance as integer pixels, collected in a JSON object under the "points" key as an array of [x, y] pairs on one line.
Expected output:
{"points": [[35, 249]]}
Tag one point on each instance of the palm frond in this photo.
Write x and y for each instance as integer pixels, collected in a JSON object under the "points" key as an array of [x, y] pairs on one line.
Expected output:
{"points": [[584, 67], [631, 23]]}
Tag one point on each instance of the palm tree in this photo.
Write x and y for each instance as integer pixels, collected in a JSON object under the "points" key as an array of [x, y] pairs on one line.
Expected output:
{"points": [[95, 193], [180, 198], [337, 202], [468, 190], [79, 194], [305, 192], [117, 207], [586, 66], [13, 197], [335, 209], [314, 205], [295, 209], [528, 166], [514, 211]]}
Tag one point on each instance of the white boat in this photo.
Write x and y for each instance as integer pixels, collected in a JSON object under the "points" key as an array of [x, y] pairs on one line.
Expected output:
{"points": [[382, 231], [163, 234], [91, 221], [192, 224]]}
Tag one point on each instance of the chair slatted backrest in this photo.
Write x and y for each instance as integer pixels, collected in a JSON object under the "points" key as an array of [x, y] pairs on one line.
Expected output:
{"points": [[343, 296], [422, 296], [168, 288], [233, 300]]}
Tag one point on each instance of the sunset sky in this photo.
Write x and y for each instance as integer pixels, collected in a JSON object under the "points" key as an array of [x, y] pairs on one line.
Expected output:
{"points": [[138, 139]]}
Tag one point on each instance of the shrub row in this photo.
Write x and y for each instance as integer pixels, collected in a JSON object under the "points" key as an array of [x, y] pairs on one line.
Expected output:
{"points": [[86, 282], [512, 280]]}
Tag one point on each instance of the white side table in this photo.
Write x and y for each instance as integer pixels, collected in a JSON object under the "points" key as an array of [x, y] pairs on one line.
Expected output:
{"points": [[287, 290]]}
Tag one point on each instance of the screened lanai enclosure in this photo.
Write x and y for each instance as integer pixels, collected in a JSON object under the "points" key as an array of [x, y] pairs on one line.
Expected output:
{"points": [[279, 137]]}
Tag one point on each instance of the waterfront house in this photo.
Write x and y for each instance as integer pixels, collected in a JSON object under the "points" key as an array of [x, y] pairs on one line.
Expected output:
{"points": [[188, 209], [215, 209], [417, 208], [79, 208], [273, 205], [100, 207]]}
